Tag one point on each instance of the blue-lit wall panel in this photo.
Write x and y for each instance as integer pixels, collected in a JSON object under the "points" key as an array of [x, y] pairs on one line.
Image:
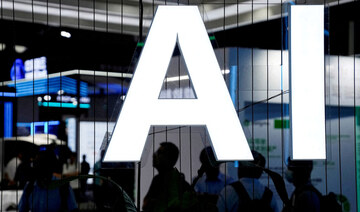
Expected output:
{"points": [[49, 86], [8, 119], [83, 89]]}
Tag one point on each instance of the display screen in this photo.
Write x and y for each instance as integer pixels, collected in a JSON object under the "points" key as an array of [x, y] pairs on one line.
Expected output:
{"points": [[35, 68]]}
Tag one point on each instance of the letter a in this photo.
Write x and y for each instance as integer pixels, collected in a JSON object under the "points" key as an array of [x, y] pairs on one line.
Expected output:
{"points": [[212, 108]]}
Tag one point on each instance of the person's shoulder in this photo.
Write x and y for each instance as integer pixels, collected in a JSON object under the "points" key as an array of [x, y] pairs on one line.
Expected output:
{"points": [[177, 174], [308, 193], [183, 180], [28, 188], [228, 190], [250, 181], [202, 179], [12, 162], [226, 178]]}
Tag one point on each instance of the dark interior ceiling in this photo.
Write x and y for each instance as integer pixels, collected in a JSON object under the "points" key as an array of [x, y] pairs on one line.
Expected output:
{"points": [[95, 50], [85, 49], [343, 25]]}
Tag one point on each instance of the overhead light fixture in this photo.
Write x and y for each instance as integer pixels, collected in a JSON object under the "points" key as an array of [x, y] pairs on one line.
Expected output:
{"points": [[47, 97], [20, 49], [60, 92], [65, 34], [2, 46]]}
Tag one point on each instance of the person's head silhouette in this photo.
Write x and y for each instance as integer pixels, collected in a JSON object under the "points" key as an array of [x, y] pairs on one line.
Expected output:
{"points": [[45, 165], [165, 157], [252, 169], [209, 165], [299, 171]]}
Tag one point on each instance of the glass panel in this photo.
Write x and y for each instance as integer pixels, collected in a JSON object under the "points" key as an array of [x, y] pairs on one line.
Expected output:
{"points": [[78, 59]]}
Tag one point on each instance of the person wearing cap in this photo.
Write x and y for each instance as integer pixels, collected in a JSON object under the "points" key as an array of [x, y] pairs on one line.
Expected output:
{"points": [[305, 196]]}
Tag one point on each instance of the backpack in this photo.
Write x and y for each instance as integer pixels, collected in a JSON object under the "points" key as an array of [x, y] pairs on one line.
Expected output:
{"points": [[170, 192], [253, 205], [328, 203]]}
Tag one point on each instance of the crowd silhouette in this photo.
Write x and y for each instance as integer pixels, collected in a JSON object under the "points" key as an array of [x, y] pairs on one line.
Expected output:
{"points": [[52, 180]]}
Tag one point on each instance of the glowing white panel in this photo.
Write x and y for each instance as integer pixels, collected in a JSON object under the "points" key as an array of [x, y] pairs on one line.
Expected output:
{"points": [[142, 108], [307, 97]]}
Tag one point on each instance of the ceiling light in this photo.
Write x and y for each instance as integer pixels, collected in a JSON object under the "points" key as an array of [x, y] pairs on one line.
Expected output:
{"points": [[47, 97], [60, 92], [226, 71], [65, 34], [2, 46], [20, 49], [186, 77]]}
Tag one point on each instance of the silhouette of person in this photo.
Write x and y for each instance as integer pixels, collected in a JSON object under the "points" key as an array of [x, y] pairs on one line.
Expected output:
{"points": [[24, 172], [305, 197], [62, 131], [84, 170], [232, 197], [168, 187], [39, 196], [99, 190], [210, 180]]}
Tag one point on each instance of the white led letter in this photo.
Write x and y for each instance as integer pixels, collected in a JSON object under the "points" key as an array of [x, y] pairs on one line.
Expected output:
{"points": [[213, 107], [307, 97]]}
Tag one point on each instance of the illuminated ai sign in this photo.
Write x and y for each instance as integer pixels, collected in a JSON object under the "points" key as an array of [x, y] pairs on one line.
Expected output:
{"points": [[142, 107], [307, 80]]}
